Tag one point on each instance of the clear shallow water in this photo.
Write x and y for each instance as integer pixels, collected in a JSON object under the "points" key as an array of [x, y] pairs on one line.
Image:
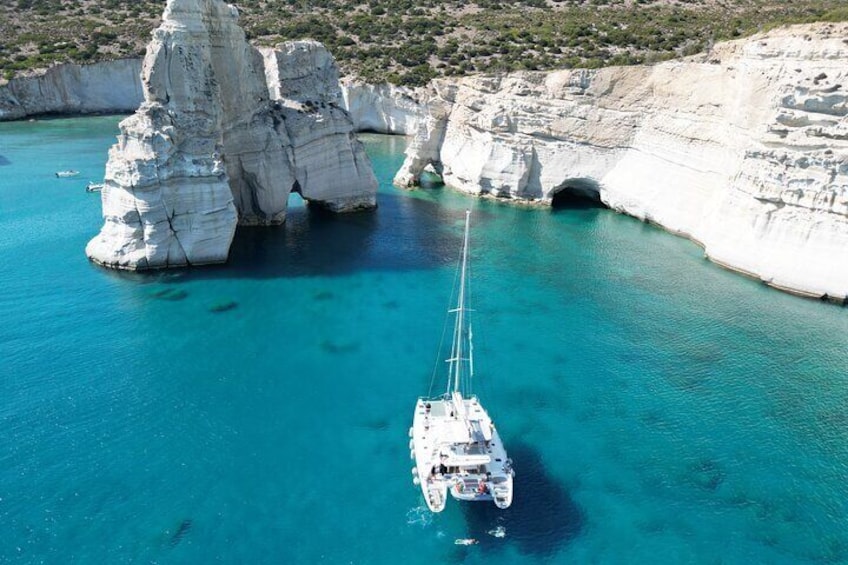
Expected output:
{"points": [[658, 408]]}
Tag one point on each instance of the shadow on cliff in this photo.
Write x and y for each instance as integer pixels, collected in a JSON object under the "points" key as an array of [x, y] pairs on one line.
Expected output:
{"points": [[542, 516], [570, 198], [401, 234]]}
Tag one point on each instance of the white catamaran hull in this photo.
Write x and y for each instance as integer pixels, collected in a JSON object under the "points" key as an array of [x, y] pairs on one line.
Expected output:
{"points": [[454, 443], [461, 456]]}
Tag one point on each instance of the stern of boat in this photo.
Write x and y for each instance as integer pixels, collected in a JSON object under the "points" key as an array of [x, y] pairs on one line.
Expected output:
{"points": [[502, 492], [435, 494]]}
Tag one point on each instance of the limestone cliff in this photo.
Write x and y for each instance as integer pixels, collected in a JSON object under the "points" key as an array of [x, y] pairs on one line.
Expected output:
{"points": [[744, 150], [209, 146], [329, 164], [110, 86], [382, 108]]}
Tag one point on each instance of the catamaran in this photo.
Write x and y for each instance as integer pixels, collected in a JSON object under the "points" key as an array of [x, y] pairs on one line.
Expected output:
{"points": [[453, 441]]}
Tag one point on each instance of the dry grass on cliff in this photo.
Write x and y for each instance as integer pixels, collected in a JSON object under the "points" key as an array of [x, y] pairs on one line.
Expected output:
{"points": [[412, 41]]}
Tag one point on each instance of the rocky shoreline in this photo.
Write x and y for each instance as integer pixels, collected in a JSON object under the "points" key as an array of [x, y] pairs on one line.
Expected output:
{"points": [[71, 89], [743, 150]]}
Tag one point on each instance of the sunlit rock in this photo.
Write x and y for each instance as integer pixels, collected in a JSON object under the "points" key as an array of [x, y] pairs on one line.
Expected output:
{"points": [[744, 149], [211, 146]]}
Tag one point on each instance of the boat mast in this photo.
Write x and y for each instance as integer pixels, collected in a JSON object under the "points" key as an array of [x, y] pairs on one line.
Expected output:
{"points": [[456, 350]]}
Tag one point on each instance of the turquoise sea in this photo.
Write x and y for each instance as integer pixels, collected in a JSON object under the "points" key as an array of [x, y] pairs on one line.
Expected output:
{"points": [[658, 408]]}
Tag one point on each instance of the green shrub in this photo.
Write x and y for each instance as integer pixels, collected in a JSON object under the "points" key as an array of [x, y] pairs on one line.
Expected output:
{"points": [[398, 40]]}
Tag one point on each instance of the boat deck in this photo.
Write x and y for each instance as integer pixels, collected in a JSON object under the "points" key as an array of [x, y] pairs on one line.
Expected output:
{"points": [[461, 452]]}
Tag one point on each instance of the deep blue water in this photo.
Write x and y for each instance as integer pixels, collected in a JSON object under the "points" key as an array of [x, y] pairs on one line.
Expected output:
{"points": [[657, 408]]}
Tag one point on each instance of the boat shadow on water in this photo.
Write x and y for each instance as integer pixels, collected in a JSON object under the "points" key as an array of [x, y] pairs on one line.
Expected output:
{"points": [[542, 517]]}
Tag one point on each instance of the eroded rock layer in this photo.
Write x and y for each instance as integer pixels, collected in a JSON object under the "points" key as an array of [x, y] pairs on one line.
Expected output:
{"points": [[209, 147], [109, 86], [382, 108], [329, 164], [743, 150]]}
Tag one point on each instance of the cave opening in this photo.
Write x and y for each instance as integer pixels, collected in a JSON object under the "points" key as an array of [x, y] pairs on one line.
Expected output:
{"points": [[296, 202], [577, 194], [431, 177]]}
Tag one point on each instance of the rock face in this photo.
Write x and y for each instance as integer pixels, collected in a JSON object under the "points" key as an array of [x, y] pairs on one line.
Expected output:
{"points": [[111, 86], [209, 147], [744, 150], [382, 108], [329, 165]]}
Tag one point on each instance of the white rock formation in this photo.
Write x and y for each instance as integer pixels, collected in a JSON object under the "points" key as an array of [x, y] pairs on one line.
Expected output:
{"points": [[382, 108], [208, 147], [744, 150], [115, 87], [329, 165], [109, 86]]}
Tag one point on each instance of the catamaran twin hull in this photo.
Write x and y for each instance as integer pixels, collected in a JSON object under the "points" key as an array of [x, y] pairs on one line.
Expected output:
{"points": [[453, 441], [457, 449]]}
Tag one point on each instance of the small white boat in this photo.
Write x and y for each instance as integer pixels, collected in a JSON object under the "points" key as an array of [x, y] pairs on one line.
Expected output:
{"points": [[465, 541], [94, 187], [454, 442], [66, 174]]}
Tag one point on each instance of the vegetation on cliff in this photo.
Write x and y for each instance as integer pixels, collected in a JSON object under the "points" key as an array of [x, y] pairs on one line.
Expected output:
{"points": [[412, 41]]}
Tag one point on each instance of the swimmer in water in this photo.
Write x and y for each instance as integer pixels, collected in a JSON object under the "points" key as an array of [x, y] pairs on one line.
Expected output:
{"points": [[498, 532]]}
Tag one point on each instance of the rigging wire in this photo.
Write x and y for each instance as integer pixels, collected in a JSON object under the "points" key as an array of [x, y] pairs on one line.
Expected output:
{"points": [[468, 388], [438, 361], [466, 377]]}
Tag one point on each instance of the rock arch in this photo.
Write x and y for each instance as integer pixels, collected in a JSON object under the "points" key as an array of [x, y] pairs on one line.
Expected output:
{"points": [[431, 175]]}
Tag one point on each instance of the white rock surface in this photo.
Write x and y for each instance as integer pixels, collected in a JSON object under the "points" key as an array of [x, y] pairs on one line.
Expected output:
{"points": [[328, 162], [744, 150], [382, 108], [109, 86], [208, 147]]}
